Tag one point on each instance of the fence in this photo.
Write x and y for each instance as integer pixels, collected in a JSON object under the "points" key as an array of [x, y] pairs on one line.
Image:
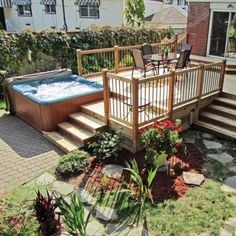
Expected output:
{"points": [[91, 62], [136, 102]]}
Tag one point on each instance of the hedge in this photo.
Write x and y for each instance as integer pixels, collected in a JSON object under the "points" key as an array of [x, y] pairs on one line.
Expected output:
{"points": [[62, 45]]}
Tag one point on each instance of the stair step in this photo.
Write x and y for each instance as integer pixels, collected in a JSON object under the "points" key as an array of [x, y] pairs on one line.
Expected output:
{"points": [[225, 101], [75, 132], [60, 141], [218, 120], [87, 121], [214, 129], [221, 110]]}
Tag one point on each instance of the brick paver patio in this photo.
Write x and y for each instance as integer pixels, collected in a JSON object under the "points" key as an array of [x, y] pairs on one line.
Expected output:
{"points": [[24, 152]]}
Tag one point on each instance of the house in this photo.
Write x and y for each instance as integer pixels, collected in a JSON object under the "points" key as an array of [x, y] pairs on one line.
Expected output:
{"points": [[17, 15], [211, 28]]}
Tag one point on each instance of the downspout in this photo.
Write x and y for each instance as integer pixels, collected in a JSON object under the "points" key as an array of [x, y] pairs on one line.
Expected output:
{"points": [[64, 16]]}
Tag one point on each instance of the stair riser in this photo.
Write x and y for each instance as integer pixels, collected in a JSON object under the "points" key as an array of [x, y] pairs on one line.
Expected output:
{"points": [[222, 113], [224, 104], [217, 122], [85, 126], [230, 72], [91, 113]]}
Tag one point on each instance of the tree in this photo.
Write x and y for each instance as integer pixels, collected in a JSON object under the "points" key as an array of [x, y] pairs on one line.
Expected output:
{"points": [[134, 12]]}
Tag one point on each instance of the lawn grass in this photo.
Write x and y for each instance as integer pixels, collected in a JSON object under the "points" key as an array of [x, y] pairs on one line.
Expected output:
{"points": [[16, 212], [2, 104]]}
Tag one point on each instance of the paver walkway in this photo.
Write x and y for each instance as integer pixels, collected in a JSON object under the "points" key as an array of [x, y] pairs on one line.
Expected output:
{"points": [[24, 152]]}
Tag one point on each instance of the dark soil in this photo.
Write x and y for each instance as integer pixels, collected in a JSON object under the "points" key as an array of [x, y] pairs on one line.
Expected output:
{"points": [[167, 185]]}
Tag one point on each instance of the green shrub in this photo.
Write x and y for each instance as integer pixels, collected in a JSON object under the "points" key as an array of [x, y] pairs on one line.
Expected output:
{"points": [[72, 163], [107, 145]]}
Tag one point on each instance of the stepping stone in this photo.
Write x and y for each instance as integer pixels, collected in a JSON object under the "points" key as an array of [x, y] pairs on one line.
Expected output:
{"points": [[117, 229], [206, 135], [106, 213], [229, 185], [232, 169], [211, 144], [43, 179], [229, 227], [95, 228], [223, 158], [86, 197], [62, 188], [189, 137], [113, 171], [193, 178]]}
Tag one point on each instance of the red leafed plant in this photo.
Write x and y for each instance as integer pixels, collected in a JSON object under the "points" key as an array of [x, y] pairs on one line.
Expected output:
{"points": [[161, 139], [45, 213]]}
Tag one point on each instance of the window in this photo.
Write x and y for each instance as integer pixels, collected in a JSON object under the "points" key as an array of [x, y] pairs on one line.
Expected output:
{"points": [[24, 10], [89, 11], [50, 9]]}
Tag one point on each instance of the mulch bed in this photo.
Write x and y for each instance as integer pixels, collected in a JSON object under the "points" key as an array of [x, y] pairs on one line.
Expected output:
{"points": [[166, 185]]}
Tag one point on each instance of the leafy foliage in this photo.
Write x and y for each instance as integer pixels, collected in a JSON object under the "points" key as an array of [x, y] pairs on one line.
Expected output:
{"points": [[45, 213], [62, 46], [107, 145], [134, 12], [74, 215], [72, 163], [161, 139]]}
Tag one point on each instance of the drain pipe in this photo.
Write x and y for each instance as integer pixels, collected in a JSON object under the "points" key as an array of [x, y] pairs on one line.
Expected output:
{"points": [[64, 16]]}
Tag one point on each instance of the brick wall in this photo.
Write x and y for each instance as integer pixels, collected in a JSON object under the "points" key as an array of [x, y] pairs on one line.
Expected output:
{"points": [[198, 26]]}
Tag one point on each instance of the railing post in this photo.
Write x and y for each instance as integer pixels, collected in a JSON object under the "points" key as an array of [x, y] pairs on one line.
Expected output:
{"points": [[176, 43], [106, 95], [222, 75], [171, 94], [200, 81], [116, 55], [135, 113], [79, 62]]}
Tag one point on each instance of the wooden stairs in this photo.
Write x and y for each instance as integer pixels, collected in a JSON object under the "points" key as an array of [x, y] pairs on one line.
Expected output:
{"points": [[219, 117], [79, 128]]}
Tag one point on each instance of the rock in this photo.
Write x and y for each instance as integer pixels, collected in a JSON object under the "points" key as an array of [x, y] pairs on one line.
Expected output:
{"points": [[64, 233], [95, 228], [232, 169], [43, 179], [138, 231], [228, 227], [106, 213], [223, 158], [229, 185], [211, 144], [224, 232], [206, 135], [86, 197], [62, 188], [189, 137], [117, 229], [203, 234], [193, 178], [113, 171]]}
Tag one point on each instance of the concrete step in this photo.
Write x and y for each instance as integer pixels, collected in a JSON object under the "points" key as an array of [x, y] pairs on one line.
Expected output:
{"points": [[94, 109], [60, 141], [223, 111], [227, 102], [77, 133], [87, 121], [219, 120], [215, 129]]}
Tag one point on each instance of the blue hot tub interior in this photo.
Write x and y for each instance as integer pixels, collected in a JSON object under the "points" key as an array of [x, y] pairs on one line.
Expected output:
{"points": [[56, 89]]}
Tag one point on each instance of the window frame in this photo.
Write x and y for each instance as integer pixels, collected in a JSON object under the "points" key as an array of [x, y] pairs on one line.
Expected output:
{"points": [[50, 7], [24, 10], [89, 7]]}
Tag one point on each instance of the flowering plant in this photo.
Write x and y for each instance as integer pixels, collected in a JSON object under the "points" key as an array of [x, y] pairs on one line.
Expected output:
{"points": [[160, 140]]}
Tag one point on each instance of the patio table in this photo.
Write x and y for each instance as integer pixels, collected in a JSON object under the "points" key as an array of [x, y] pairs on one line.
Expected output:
{"points": [[158, 58]]}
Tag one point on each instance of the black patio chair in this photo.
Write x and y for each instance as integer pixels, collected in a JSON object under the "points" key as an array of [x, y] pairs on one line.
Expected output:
{"points": [[140, 64], [181, 63], [147, 49], [187, 46]]}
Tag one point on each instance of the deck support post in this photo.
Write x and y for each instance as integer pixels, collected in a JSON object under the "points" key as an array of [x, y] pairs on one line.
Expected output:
{"points": [[79, 62], [106, 95], [116, 56], [135, 114], [171, 94], [222, 75]]}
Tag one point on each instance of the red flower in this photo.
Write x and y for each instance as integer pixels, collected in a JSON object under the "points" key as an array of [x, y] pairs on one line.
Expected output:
{"points": [[163, 136], [180, 129], [169, 124]]}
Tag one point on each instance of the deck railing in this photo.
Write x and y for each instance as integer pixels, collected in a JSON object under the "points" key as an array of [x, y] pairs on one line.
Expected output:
{"points": [[115, 59], [136, 102]]}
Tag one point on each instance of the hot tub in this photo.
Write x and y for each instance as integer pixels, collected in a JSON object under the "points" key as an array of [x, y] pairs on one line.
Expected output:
{"points": [[45, 102]]}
